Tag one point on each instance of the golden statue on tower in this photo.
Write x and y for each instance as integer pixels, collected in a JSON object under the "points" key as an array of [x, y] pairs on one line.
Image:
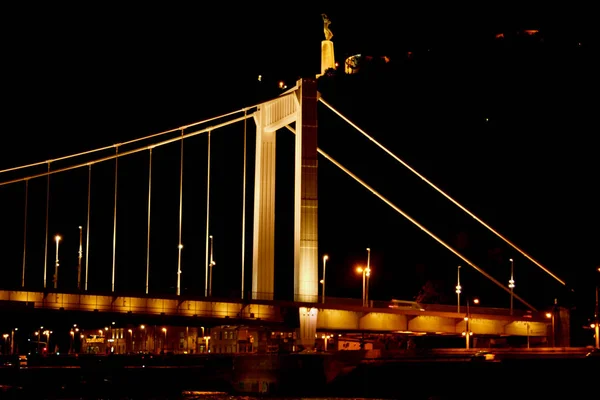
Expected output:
{"points": [[326, 23], [327, 55]]}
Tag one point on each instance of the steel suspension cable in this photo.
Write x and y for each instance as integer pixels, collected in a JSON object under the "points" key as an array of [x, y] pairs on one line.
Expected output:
{"points": [[87, 239], [207, 217], [180, 244], [25, 233], [126, 153], [127, 142], [114, 258], [398, 210], [47, 218], [456, 203], [244, 208], [148, 228]]}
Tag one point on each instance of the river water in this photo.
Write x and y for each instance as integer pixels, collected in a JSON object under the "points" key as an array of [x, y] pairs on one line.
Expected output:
{"points": [[439, 380]]}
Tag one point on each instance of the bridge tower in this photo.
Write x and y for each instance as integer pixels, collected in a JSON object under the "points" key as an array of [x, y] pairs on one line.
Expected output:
{"points": [[297, 106]]}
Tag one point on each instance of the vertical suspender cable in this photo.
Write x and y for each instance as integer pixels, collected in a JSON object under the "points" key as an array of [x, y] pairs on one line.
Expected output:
{"points": [[115, 220], [244, 208], [47, 211], [207, 218], [148, 229], [87, 239], [180, 245], [25, 233]]}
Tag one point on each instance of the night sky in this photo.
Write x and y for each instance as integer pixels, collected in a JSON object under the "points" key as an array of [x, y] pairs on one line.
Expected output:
{"points": [[505, 126]]}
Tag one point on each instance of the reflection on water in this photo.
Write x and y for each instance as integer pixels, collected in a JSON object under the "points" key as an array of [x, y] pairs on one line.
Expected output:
{"points": [[438, 380], [195, 395]]}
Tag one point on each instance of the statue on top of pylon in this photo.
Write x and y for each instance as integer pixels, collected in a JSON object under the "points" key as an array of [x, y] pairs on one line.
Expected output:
{"points": [[326, 22]]}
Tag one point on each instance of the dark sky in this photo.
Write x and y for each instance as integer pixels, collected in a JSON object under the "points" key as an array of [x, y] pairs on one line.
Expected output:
{"points": [[506, 127]]}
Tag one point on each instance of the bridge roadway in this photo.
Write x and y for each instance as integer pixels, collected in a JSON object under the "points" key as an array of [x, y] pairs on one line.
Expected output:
{"points": [[335, 315]]}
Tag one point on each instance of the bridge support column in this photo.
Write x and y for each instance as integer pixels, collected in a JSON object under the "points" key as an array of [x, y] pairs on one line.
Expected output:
{"points": [[263, 254], [306, 208], [306, 204]]}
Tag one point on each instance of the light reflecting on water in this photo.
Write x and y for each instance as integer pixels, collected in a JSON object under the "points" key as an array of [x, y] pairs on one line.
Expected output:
{"points": [[196, 395]]}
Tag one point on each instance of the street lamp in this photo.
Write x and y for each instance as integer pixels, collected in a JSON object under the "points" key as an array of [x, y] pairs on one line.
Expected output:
{"points": [[552, 316], [467, 333], [79, 262], [511, 285], [145, 337], [365, 274], [131, 340], [12, 341], [165, 344], [72, 341], [37, 337], [179, 247], [47, 333], [325, 338], [57, 238], [361, 270], [458, 290], [325, 258], [596, 316], [368, 273], [5, 336], [211, 265]]}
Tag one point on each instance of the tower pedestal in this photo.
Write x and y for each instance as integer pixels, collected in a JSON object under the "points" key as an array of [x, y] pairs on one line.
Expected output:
{"points": [[327, 56], [308, 327]]}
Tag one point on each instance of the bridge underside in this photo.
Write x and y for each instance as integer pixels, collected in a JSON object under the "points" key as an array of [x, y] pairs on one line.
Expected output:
{"points": [[442, 323], [143, 305], [326, 319]]}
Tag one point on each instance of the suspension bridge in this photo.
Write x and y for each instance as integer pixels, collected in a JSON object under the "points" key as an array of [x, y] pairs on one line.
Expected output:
{"points": [[107, 266]]}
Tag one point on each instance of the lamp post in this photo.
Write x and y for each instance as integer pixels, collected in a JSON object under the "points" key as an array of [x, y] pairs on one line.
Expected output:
{"points": [[165, 344], [553, 316], [325, 338], [467, 331], [5, 336], [458, 290], [362, 271], [179, 248], [72, 341], [79, 261], [37, 337], [325, 258], [211, 265], [130, 340], [143, 328], [368, 274], [47, 333], [511, 285], [596, 316], [12, 341], [57, 238]]}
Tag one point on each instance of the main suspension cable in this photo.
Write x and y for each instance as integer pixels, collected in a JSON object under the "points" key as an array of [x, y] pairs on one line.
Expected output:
{"points": [[244, 110], [129, 152], [456, 203], [389, 203]]}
